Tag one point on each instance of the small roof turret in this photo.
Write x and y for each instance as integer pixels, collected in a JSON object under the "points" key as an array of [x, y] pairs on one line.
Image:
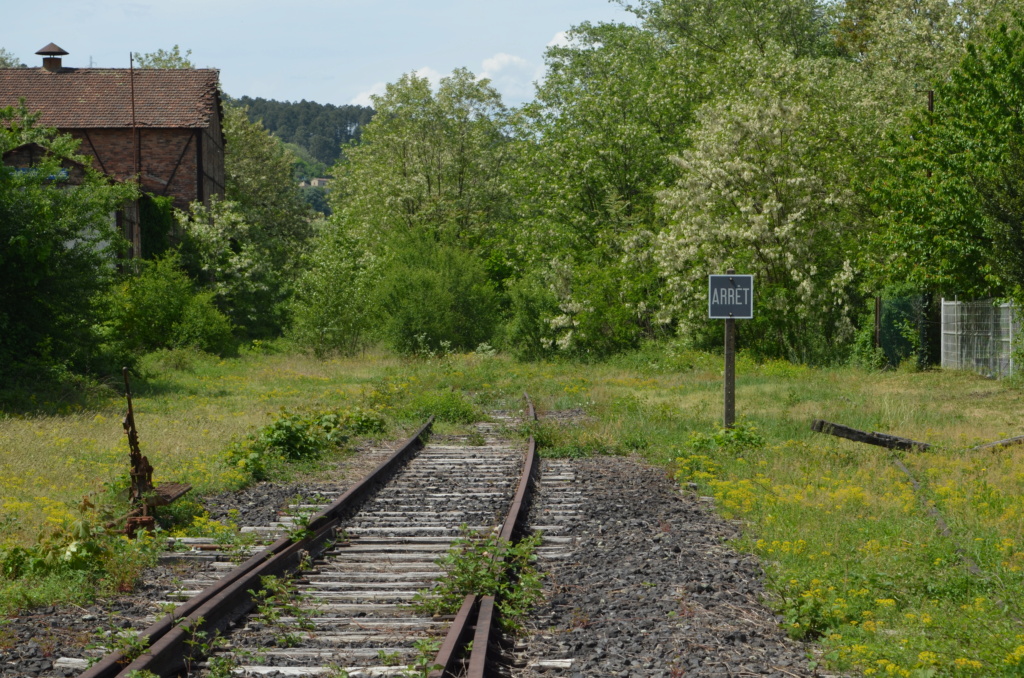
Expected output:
{"points": [[51, 50]]}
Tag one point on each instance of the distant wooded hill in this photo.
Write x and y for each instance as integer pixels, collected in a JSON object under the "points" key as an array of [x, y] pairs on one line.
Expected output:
{"points": [[320, 129]]}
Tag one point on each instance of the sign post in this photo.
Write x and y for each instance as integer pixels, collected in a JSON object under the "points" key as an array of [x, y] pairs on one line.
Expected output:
{"points": [[730, 296], [729, 416]]}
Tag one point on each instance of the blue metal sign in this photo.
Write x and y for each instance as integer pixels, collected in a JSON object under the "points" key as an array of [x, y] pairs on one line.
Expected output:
{"points": [[730, 296]]}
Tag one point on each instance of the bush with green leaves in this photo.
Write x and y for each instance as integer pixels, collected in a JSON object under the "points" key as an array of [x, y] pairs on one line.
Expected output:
{"points": [[330, 308], [158, 308], [587, 310], [731, 441], [484, 564], [296, 437], [57, 250], [79, 556], [528, 332], [435, 294]]}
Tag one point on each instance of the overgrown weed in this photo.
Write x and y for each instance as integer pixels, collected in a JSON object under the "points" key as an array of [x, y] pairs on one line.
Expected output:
{"points": [[484, 564]]}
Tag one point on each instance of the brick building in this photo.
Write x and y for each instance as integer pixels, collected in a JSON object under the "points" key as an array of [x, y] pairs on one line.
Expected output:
{"points": [[161, 126]]}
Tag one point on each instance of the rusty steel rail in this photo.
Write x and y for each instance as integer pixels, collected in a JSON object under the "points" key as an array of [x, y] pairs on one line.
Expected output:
{"points": [[458, 636], [482, 639], [480, 610], [219, 605]]}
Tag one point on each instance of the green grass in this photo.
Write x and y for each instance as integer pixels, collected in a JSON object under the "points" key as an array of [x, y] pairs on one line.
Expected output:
{"points": [[853, 559]]}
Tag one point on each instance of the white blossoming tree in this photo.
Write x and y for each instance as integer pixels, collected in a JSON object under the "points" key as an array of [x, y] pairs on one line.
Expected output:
{"points": [[765, 190]]}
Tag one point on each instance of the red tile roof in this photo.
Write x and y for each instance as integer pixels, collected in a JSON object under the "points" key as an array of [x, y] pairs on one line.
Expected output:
{"points": [[89, 98]]}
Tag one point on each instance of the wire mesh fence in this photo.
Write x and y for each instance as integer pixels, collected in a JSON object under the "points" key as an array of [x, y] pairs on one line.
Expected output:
{"points": [[979, 336], [903, 320]]}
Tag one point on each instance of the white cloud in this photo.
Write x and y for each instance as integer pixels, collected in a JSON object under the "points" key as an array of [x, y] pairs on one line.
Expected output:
{"points": [[363, 98], [501, 62], [511, 75], [433, 76], [561, 39]]}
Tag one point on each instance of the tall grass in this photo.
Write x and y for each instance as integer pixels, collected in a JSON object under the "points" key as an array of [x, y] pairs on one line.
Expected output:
{"points": [[188, 410]]}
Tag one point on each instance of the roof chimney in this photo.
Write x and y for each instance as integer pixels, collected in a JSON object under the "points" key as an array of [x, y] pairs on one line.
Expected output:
{"points": [[51, 57]]}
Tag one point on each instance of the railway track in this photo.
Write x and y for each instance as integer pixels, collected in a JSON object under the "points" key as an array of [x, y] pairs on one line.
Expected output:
{"points": [[331, 592]]}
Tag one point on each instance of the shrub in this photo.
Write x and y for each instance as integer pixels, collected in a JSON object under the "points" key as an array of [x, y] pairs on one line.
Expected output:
{"points": [[606, 322], [144, 308], [203, 327], [732, 441], [330, 308], [435, 294], [300, 437], [486, 565], [529, 333], [158, 309], [79, 554], [293, 436], [585, 310]]}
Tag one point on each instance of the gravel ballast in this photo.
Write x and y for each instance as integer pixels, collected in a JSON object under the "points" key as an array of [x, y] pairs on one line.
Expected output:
{"points": [[652, 588]]}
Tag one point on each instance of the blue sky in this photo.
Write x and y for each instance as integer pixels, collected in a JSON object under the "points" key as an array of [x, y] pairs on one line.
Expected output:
{"points": [[331, 51]]}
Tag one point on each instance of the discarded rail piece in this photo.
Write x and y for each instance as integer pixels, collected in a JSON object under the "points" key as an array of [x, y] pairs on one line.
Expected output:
{"points": [[895, 442], [996, 444], [871, 438]]}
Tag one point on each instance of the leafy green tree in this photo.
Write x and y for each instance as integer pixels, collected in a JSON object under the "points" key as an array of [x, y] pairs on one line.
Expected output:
{"points": [[765, 189], [950, 204], [595, 142], [428, 162], [414, 197], [258, 171], [332, 309], [164, 58], [234, 259], [57, 246], [903, 48], [9, 60], [985, 126], [591, 154], [931, 231], [713, 29], [249, 247]]}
